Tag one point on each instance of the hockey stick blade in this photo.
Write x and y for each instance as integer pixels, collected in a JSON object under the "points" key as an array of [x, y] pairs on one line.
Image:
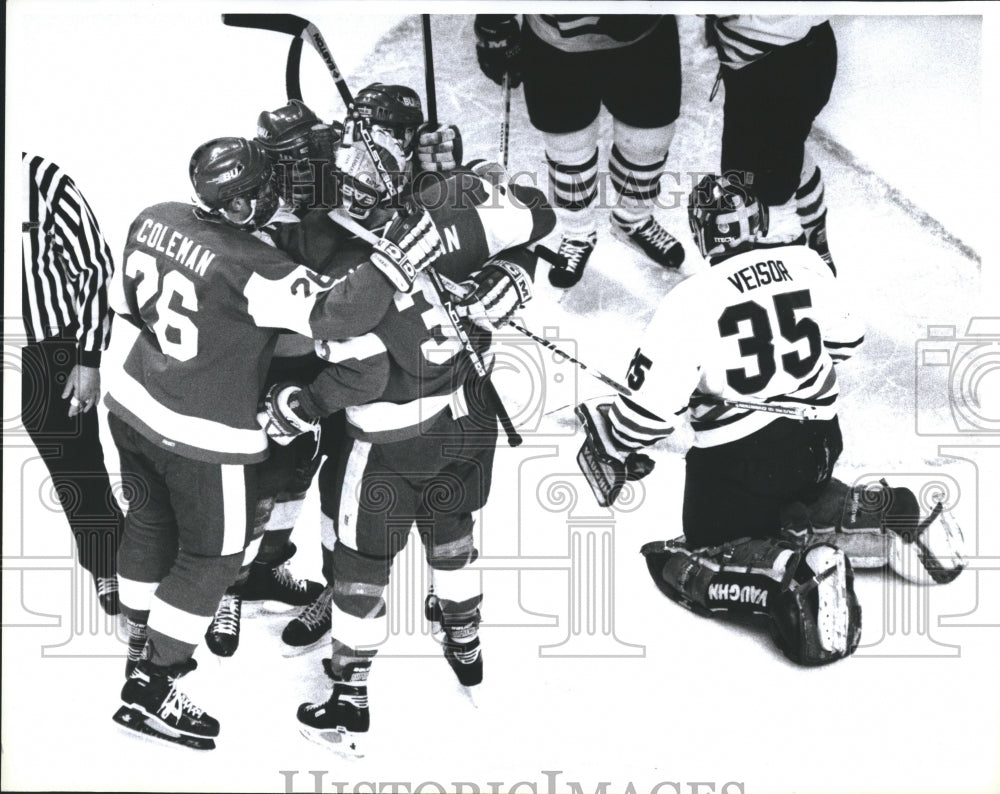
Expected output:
{"points": [[280, 23]]}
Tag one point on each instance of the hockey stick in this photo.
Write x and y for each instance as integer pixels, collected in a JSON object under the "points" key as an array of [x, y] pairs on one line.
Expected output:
{"points": [[300, 28], [801, 413], [432, 113], [513, 437], [304, 30], [505, 122]]}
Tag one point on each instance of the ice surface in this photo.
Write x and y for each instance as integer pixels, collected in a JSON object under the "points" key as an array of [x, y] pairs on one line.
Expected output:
{"points": [[589, 671]]}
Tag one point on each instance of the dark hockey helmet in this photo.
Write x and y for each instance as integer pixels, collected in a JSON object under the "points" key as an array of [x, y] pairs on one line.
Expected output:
{"points": [[226, 168], [298, 144], [724, 216], [396, 108]]}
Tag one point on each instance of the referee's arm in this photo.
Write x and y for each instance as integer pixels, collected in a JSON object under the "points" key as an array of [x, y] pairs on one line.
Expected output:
{"points": [[88, 265]]}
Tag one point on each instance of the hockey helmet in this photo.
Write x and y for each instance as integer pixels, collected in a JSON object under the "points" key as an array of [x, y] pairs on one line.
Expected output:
{"points": [[724, 216], [299, 145], [396, 108], [226, 168]]}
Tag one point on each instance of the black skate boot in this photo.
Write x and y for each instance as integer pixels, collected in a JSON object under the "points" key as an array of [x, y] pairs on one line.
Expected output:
{"points": [[342, 720], [107, 594], [136, 645], [272, 581], [153, 706], [652, 239], [816, 240], [461, 649], [304, 632], [223, 635], [570, 260]]}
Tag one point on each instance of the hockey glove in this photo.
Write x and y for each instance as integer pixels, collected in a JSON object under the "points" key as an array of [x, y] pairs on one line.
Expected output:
{"points": [[282, 416], [606, 466], [410, 244], [498, 47], [494, 294], [439, 148]]}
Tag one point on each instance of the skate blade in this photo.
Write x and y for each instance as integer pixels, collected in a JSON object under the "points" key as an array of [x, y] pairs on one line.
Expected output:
{"points": [[291, 651], [137, 722], [344, 743]]}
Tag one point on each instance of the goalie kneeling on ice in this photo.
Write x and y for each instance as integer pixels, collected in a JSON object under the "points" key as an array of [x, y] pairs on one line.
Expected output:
{"points": [[606, 467]]}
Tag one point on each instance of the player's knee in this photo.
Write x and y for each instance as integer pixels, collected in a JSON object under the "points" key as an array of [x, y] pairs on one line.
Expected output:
{"points": [[817, 617], [639, 145], [453, 555], [572, 147]]}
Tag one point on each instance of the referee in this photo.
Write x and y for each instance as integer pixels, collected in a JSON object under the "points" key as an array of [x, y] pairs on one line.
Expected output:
{"points": [[67, 264]]}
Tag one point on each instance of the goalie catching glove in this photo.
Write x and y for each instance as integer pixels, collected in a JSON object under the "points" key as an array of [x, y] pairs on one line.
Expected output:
{"points": [[496, 292], [410, 244], [282, 414], [606, 466]]}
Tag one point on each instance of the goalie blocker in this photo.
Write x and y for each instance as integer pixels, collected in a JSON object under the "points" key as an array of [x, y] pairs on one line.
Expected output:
{"points": [[606, 467], [805, 589]]}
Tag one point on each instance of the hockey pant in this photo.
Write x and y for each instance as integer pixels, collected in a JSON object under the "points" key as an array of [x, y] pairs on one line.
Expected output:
{"points": [[185, 533], [806, 590], [378, 492], [769, 110]]}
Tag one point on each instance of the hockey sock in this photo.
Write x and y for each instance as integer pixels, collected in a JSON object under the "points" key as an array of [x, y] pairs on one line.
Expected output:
{"points": [[135, 598], [811, 207], [328, 537], [638, 157], [572, 162], [273, 547]]}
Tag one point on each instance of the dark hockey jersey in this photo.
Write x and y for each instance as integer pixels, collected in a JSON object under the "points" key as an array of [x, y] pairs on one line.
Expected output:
{"points": [[209, 300], [398, 378]]}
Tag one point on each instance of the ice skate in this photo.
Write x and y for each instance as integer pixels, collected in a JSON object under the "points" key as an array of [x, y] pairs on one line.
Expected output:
{"points": [[306, 631], [652, 239], [223, 635], [341, 723], [274, 582], [571, 260], [155, 707]]}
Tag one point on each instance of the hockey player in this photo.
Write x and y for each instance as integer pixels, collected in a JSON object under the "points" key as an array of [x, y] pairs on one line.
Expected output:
{"points": [[422, 436], [786, 64], [301, 148], [764, 327], [570, 65], [208, 293]]}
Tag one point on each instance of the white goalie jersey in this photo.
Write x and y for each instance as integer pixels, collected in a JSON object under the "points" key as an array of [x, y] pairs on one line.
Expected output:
{"points": [[763, 326]]}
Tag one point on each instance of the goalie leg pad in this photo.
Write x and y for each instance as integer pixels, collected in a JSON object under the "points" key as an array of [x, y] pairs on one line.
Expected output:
{"points": [[817, 617], [807, 591], [875, 525]]}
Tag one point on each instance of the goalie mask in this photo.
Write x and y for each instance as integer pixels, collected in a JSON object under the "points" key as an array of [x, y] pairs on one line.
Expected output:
{"points": [[224, 169], [725, 218], [395, 108], [362, 184], [299, 146]]}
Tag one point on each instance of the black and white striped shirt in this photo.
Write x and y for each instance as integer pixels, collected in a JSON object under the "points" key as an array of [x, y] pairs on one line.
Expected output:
{"points": [[745, 38], [66, 262]]}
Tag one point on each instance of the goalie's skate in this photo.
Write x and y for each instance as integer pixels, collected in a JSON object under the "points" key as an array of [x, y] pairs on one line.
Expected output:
{"points": [[155, 707]]}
